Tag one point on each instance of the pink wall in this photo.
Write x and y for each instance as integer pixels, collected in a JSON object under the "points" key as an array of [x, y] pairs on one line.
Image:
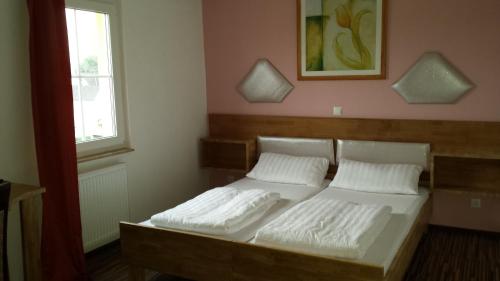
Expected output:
{"points": [[237, 32], [454, 209]]}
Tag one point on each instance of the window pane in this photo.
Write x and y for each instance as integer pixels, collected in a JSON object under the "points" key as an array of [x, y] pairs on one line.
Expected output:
{"points": [[93, 46], [98, 108], [73, 50], [92, 75], [77, 109]]}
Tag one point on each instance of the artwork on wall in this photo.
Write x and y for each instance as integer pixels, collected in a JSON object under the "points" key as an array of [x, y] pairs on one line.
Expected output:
{"points": [[341, 39], [432, 79], [264, 83]]}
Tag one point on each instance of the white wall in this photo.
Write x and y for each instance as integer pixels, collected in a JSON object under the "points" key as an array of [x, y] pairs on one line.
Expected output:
{"points": [[17, 148], [165, 85]]}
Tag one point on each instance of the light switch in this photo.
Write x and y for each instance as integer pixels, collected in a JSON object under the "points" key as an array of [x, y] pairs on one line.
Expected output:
{"points": [[337, 110]]}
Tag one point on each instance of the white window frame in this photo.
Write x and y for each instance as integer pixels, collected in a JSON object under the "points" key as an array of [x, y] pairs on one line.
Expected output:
{"points": [[122, 138]]}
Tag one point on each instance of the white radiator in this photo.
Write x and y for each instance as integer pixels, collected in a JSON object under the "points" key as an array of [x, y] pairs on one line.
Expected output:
{"points": [[103, 204]]}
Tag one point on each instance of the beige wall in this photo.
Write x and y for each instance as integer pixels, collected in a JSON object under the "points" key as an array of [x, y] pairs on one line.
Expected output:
{"points": [[17, 149], [165, 85]]}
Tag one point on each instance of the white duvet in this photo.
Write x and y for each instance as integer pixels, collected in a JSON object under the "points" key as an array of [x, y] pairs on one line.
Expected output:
{"points": [[219, 211], [326, 227]]}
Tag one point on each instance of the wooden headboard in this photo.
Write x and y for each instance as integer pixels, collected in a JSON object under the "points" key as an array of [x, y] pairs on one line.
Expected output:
{"points": [[445, 137], [467, 152]]}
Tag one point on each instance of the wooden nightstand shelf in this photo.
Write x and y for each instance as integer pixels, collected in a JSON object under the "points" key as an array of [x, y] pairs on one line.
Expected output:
{"points": [[467, 173], [228, 154], [467, 190], [228, 159]]}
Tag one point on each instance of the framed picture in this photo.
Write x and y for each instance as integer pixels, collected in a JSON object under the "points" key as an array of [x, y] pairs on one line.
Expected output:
{"points": [[341, 39]]}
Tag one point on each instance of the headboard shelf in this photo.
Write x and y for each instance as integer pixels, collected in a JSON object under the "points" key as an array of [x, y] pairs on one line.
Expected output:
{"points": [[469, 191], [228, 140], [447, 137], [465, 154], [228, 153], [471, 174]]}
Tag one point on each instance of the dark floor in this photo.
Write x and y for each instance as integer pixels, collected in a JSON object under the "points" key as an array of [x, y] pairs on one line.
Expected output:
{"points": [[454, 254], [444, 254]]}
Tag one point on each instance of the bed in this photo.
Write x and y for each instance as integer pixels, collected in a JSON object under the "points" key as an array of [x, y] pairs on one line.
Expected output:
{"points": [[206, 257]]}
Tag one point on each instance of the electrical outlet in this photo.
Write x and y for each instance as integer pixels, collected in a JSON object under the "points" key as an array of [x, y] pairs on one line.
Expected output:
{"points": [[337, 110], [475, 203]]}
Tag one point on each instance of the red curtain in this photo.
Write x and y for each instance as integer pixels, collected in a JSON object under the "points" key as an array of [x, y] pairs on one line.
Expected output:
{"points": [[52, 101]]}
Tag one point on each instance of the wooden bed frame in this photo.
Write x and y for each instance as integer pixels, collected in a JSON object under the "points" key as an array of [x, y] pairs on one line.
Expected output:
{"points": [[201, 257]]}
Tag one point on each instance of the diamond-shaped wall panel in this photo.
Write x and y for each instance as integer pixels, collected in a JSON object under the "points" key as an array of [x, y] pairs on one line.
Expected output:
{"points": [[432, 80], [264, 83]]}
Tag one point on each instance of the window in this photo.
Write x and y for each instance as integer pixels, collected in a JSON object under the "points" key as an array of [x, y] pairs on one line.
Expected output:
{"points": [[95, 77]]}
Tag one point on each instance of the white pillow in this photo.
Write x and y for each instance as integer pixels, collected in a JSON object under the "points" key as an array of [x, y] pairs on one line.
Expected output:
{"points": [[375, 177], [282, 168]]}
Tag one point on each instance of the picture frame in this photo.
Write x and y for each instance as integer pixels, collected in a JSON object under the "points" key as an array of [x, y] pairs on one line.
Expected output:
{"points": [[341, 39]]}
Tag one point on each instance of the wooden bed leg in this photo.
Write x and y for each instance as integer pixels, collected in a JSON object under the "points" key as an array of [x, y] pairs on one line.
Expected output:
{"points": [[137, 273]]}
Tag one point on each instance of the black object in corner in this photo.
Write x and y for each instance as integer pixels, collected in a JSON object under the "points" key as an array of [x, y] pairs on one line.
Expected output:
{"points": [[4, 209]]}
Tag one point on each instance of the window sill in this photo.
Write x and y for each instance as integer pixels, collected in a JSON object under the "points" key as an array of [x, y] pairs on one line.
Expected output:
{"points": [[105, 154]]}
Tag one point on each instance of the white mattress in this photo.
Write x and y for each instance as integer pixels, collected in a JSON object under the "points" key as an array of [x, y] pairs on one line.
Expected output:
{"points": [[405, 209], [291, 194]]}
